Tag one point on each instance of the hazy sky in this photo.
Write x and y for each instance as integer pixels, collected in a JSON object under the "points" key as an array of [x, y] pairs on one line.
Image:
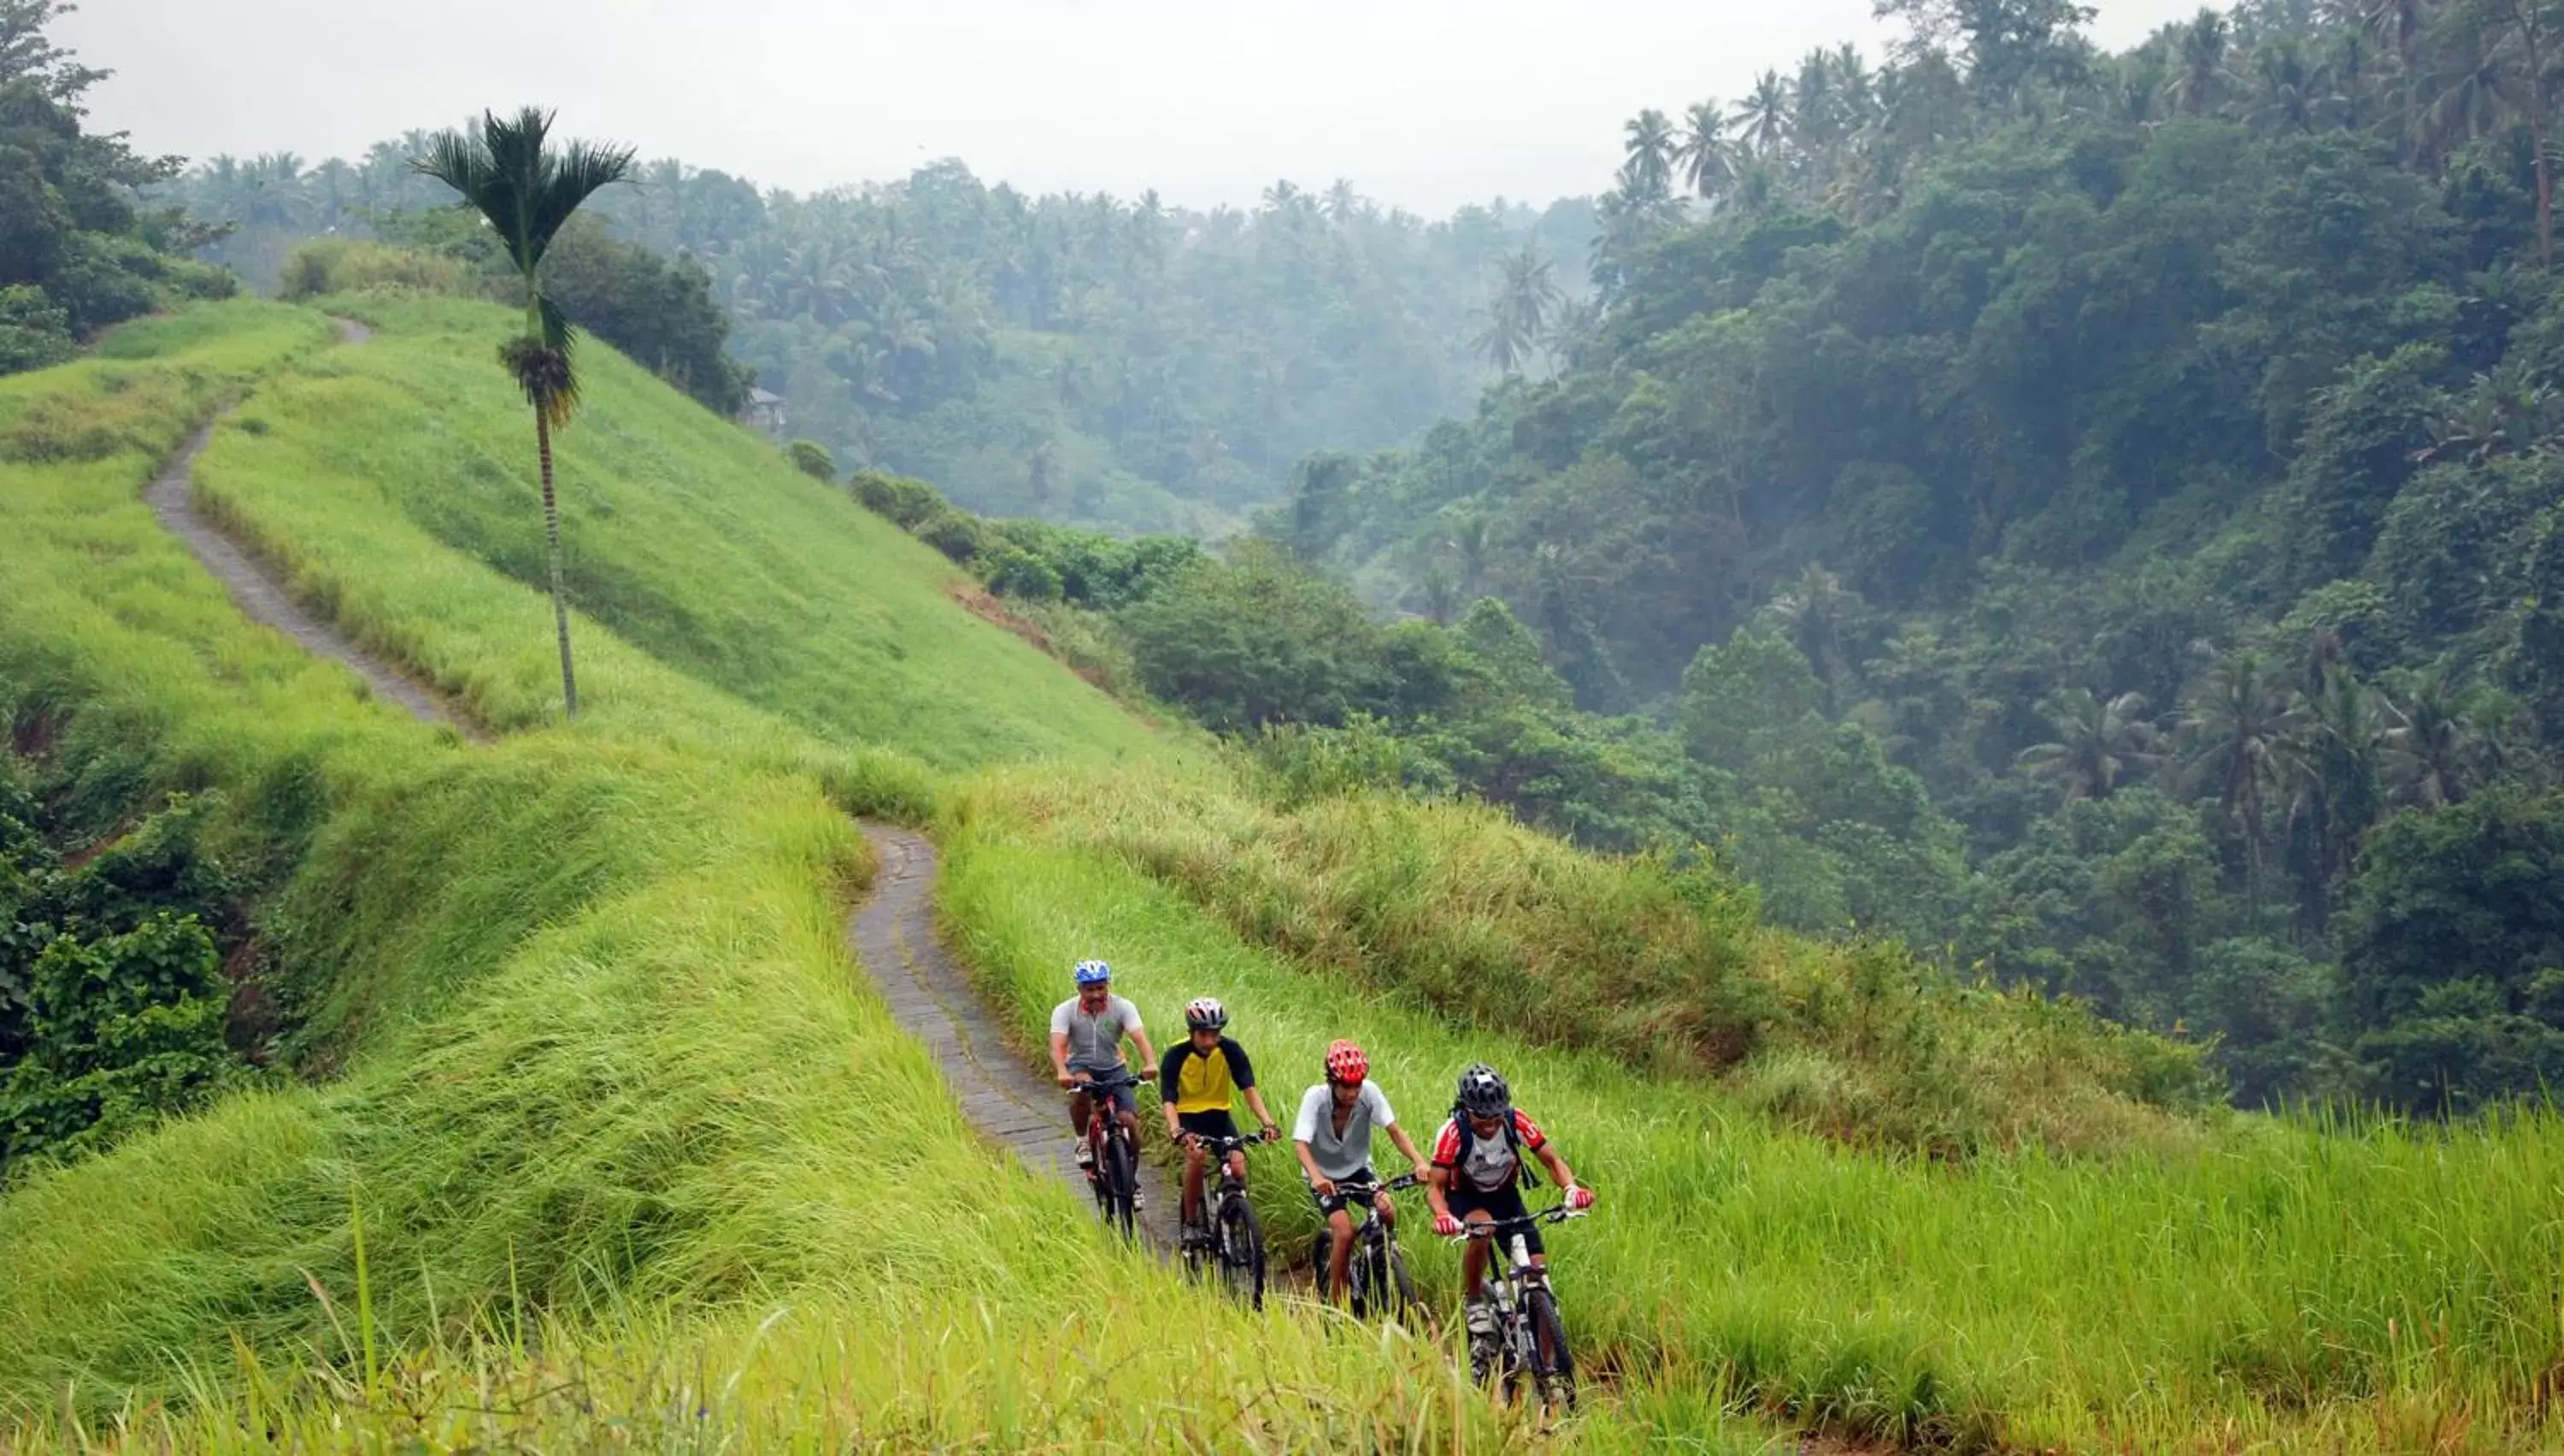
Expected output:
{"points": [[1422, 102]]}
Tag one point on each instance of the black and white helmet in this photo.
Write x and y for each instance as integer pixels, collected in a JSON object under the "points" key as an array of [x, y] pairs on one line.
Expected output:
{"points": [[1205, 1013], [1483, 1093]]}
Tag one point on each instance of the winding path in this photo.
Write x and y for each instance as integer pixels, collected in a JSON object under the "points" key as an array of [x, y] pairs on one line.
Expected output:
{"points": [[893, 935], [261, 596]]}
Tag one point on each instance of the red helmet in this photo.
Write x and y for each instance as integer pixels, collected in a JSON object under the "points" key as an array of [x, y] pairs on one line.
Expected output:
{"points": [[1347, 1064]]}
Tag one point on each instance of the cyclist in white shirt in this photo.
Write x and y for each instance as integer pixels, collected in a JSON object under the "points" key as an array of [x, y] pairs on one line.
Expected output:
{"points": [[1333, 1138]]}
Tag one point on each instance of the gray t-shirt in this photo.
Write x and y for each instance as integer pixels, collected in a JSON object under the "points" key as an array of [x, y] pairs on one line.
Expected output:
{"points": [[1342, 1156], [1095, 1042]]}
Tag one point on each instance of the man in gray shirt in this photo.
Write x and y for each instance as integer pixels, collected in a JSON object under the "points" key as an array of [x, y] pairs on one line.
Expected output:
{"points": [[1086, 1032], [1333, 1138]]}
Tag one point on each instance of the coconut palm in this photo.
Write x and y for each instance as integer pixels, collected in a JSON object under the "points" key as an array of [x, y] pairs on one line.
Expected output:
{"points": [[1707, 163], [2235, 727], [2202, 78], [1649, 168], [2098, 742], [1519, 306], [526, 191], [1763, 118]]}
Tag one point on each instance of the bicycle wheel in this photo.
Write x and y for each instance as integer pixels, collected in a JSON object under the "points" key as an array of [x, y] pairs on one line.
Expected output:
{"points": [[1121, 1206], [1357, 1275], [1553, 1375], [1241, 1250], [1398, 1291]]}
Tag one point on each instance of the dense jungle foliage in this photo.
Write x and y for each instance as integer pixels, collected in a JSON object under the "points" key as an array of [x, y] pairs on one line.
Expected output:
{"points": [[77, 252], [2103, 507], [2096, 517], [1126, 363]]}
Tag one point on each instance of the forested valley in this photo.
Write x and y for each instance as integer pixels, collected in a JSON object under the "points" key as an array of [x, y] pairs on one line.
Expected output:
{"points": [[2094, 517], [2097, 515], [2090, 515], [1131, 365]]}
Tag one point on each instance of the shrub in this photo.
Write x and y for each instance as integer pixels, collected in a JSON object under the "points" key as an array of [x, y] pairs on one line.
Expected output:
{"points": [[346, 265], [812, 459]]}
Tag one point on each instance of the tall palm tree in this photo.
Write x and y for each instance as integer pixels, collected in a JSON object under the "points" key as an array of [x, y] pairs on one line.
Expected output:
{"points": [[2334, 759], [2098, 742], [1649, 168], [1763, 118], [2234, 727], [1519, 306], [2202, 78], [526, 191], [1702, 153]]}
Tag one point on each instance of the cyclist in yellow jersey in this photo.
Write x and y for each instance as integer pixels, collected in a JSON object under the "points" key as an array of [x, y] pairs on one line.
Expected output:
{"points": [[1197, 1085]]}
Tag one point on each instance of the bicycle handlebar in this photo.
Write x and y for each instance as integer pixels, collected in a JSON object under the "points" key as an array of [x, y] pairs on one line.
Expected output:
{"points": [[1109, 1083], [1493, 1227], [1225, 1145], [1399, 1184]]}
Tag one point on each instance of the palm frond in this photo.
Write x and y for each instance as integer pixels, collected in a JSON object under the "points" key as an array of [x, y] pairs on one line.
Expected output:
{"points": [[570, 179]]}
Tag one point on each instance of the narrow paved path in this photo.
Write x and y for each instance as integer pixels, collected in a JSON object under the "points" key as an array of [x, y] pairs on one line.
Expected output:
{"points": [[262, 595], [893, 935]]}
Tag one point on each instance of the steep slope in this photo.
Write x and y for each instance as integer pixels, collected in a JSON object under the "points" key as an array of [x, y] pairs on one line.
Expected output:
{"points": [[402, 473], [602, 1065], [584, 1058]]}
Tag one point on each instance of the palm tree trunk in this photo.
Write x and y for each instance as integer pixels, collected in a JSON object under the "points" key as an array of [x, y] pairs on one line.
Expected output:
{"points": [[552, 537]]}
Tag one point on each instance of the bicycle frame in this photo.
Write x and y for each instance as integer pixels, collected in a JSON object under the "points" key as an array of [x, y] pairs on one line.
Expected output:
{"points": [[1511, 1281], [1374, 1241]]}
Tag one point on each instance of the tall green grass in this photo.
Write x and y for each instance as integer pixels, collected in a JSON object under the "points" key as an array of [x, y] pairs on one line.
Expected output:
{"points": [[395, 482], [609, 1096], [1667, 968], [2323, 1287], [602, 1078]]}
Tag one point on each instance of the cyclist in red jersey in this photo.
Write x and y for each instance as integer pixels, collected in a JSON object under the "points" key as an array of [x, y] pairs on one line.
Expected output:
{"points": [[1478, 1175]]}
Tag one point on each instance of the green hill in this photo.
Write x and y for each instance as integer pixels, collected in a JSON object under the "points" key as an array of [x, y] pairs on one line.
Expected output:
{"points": [[566, 1025]]}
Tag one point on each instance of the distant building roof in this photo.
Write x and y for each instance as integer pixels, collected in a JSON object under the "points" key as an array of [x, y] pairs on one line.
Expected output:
{"points": [[764, 396]]}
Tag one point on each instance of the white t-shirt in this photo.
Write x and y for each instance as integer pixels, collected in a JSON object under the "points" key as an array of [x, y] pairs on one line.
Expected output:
{"points": [[1342, 1156]]}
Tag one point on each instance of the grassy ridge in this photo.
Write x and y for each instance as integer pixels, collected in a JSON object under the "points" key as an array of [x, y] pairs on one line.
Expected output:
{"points": [[386, 477], [1667, 969], [2313, 1284], [603, 1058]]}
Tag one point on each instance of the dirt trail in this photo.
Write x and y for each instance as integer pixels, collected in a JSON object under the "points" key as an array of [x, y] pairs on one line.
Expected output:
{"points": [[893, 935], [261, 596]]}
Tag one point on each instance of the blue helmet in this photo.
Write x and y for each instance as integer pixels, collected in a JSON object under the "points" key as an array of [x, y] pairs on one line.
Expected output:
{"points": [[1093, 972]]}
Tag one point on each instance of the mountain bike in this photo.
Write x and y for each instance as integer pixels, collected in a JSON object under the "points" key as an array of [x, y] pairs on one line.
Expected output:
{"points": [[1381, 1286], [1228, 1241], [1113, 1167], [1531, 1339]]}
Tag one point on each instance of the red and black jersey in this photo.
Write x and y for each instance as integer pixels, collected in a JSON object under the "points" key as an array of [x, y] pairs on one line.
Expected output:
{"points": [[1486, 1163]]}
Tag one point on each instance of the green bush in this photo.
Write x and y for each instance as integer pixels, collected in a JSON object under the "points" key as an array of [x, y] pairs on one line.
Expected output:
{"points": [[812, 459], [346, 265]]}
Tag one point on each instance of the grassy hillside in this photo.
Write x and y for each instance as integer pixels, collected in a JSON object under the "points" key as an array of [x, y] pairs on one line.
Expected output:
{"points": [[2317, 1287], [603, 1076], [619, 1118], [393, 476]]}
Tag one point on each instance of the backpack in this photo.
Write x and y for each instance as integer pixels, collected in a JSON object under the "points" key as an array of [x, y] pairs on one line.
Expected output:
{"points": [[1524, 1178]]}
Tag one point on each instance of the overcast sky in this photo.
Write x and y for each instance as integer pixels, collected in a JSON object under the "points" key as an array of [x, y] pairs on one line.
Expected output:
{"points": [[1422, 102]]}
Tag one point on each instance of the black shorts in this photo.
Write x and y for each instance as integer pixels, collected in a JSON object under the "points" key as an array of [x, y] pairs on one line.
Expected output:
{"points": [[1505, 1202], [1207, 1125], [1330, 1204]]}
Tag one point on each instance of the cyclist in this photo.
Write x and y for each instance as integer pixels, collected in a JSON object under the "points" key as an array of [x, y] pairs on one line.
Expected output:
{"points": [[1333, 1138], [1478, 1177], [1086, 1033], [1197, 1083]]}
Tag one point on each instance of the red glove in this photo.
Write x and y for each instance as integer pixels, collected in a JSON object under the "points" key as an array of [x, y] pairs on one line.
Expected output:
{"points": [[1445, 1225], [1580, 1198]]}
